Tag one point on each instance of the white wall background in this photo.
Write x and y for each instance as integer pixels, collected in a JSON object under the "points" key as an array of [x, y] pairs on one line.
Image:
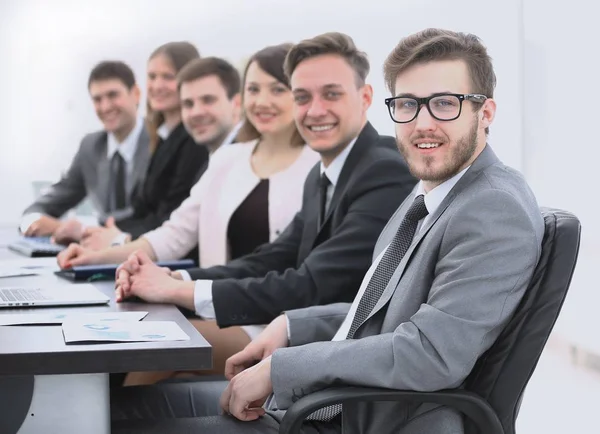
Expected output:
{"points": [[561, 148], [544, 55], [50, 47]]}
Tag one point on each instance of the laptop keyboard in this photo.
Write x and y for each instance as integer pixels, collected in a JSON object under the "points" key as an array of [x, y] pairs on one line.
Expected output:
{"points": [[36, 247], [22, 294], [38, 240], [41, 243]]}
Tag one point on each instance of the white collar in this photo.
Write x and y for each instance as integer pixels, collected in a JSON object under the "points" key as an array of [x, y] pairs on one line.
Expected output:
{"points": [[231, 136], [128, 146], [163, 131], [334, 169], [434, 198], [229, 139]]}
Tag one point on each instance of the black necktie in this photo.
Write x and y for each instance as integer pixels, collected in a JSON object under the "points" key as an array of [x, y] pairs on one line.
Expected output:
{"points": [[118, 164], [378, 282], [324, 184]]}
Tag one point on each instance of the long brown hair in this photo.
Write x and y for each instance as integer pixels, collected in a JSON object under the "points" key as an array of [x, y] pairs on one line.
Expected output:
{"points": [[179, 54], [270, 60]]}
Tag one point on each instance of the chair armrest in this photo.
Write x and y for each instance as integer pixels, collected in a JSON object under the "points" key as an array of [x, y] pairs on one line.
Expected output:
{"points": [[468, 403]]}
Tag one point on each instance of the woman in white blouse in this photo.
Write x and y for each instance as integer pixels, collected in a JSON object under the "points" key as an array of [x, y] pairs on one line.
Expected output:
{"points": [[251, 189], [249, 193]]}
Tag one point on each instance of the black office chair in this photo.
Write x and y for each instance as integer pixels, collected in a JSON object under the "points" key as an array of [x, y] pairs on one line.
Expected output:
{"points": [[494, 389]]}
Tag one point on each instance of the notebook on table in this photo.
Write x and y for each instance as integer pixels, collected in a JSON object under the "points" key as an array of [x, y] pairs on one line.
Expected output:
{"points": [[70, 295], [84, 273], [36, 247]]}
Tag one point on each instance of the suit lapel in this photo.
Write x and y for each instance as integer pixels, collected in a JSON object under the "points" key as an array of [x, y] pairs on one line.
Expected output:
{"points": [[367, 137], [388, 232], [104, 174], [485, 159], [393, 283], [167, 150], [239, 183], [310, 214], [140, 162]]}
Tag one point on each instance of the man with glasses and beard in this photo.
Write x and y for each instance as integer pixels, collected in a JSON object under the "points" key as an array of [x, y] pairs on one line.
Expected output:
{"points": [[449, 268]]}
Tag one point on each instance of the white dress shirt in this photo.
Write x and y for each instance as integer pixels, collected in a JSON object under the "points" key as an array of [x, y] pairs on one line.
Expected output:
{"points": [[127, 149], [231, 136], [163, 131], [203, 288], [334, 170], [433, 199]]}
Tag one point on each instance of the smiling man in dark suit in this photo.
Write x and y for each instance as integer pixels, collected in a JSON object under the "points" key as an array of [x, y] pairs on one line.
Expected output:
{"points": [[323, 254]]}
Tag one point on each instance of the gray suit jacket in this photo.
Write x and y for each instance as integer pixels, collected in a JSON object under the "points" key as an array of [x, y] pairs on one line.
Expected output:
{"points": [[448, 300], [89, 176]]}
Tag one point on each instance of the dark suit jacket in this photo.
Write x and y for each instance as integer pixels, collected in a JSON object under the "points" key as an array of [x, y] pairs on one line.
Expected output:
{"points": [[308, 265], [175, 167], [89, 176]]}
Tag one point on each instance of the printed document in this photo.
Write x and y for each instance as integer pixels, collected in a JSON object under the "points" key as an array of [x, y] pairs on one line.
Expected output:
{"points": [[59, 318], [122, 331]]}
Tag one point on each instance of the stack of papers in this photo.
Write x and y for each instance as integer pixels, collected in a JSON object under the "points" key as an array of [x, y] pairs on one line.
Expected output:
{"points": [[77, 331], [16, 272], [27, 267], [59, 318]]}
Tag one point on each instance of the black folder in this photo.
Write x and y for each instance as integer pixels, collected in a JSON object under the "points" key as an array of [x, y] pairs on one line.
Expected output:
{"points": [[89, 273]]}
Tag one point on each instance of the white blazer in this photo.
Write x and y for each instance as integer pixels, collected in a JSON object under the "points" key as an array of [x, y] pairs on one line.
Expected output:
{"points": [[203, 218]]}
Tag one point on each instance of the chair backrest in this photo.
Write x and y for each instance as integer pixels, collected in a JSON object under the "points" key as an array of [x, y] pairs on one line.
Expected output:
{"points": [[501, 374]]}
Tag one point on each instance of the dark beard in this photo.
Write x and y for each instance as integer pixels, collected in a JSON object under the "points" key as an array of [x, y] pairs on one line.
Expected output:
{"points": [[461, 154]]}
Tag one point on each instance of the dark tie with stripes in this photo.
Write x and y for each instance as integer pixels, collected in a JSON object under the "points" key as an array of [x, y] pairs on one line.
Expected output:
{"points": [[378, 282]]}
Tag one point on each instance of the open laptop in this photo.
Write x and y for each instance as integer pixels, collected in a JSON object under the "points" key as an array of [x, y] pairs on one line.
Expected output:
{"points": [[36, 247], [71, 295]]}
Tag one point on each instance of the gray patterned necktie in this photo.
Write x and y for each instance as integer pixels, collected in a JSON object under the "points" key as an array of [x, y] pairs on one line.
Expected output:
{"points": [[378, 282]]}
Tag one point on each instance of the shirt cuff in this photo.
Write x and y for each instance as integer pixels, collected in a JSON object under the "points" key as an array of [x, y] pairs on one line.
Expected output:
{"points": [[86, 221], [120, 239], [28, 219], [185, 276], [158, 245], [203, 299], [287, 326]]}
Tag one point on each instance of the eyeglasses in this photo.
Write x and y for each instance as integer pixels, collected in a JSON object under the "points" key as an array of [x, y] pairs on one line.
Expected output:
{"points": [[441, 106]]}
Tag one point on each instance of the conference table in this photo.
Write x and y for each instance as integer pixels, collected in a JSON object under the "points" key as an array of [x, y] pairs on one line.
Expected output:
{"points": [[67, 385]]}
